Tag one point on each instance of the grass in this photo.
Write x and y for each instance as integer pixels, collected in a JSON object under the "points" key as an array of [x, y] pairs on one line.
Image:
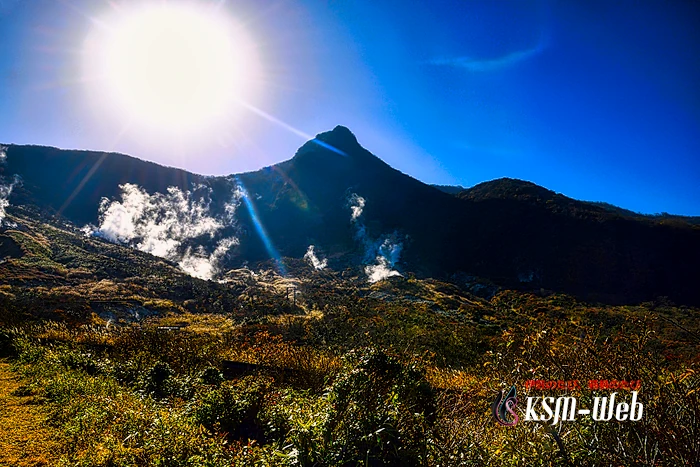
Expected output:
{"points": [[402, 372], [26, 442], [372, 384]]}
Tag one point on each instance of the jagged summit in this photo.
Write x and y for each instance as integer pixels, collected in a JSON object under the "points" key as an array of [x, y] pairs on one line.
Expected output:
{"points": [[339, 141], [340, 137], [336, 153]]}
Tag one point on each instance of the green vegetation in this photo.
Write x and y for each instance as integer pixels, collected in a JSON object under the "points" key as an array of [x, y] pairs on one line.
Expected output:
{"points": [[139, 395], [402, 372]]}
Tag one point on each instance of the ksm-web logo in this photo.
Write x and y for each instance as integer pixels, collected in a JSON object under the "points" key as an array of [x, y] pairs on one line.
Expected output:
{"points": [[503, 407], [605, 407]]}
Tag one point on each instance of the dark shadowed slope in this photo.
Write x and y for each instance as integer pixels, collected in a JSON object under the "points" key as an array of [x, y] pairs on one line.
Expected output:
{"points": [[449, 189], [306, 200], [530, 193], [589, 249], [515, 233], [74, 182]]}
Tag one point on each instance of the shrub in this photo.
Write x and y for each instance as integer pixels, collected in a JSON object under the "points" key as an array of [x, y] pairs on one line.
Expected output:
{"points": [[234, 407], [157, 380], [7, 348], [382, 413], [211, 376], [75, 360]]}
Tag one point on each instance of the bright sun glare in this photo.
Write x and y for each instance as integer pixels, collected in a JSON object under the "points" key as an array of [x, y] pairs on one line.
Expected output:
{"points": [[171, 67]]}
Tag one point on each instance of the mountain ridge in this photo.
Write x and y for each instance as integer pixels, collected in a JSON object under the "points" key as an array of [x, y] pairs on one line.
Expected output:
{"points": [[357, 211], [463, 192]]}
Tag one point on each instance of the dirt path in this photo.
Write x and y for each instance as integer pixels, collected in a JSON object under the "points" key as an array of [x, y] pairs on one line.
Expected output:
{"points": [[24, 439]]}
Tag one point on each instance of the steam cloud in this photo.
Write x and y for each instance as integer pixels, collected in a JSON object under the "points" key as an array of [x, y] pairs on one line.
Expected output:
{"points": [[5, 189], [388, 254], [357, 204], [311, 257], [384, 252], [173, 225], [203, 266]]}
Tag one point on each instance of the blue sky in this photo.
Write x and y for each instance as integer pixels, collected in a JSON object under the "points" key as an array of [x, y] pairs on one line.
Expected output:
{"points": [[594, 99]]}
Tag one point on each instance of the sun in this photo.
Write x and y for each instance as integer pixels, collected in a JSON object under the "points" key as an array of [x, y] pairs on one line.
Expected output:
{"points": [[173, 67]]}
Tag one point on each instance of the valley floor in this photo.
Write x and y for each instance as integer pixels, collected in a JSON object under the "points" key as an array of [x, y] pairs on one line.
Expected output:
{"points": [[24, 440]]}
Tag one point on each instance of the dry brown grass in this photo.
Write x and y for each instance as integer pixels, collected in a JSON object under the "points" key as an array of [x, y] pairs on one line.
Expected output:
{"points": [[197, 323], [25, 440]]}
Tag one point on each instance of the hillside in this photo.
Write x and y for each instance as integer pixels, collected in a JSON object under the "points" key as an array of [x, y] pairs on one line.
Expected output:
{"points": [[530, 193], [129, 361], [358, 212], [112, 352]]}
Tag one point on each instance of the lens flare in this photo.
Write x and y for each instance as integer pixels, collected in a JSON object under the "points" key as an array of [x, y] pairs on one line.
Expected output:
{"points": [[260, 228]]}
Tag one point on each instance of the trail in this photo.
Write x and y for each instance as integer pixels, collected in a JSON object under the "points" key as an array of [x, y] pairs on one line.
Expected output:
{"points": [[25, 441]]}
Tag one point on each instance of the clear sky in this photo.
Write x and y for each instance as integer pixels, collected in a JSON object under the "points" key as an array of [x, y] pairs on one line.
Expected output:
{"points": [[597, 100]]}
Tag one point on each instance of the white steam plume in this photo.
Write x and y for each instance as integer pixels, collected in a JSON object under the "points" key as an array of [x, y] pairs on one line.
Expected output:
{"points": [[380, 271], [311, 257], [387, 256], [5, 189], [202, 266], [357, 204], [384, 252], [166, 225]]}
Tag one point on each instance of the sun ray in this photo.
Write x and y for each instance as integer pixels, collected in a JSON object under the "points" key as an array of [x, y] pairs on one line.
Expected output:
{"points": [[93, 169], [64, 83], [93, 19], [260, 228], [290, 128]]}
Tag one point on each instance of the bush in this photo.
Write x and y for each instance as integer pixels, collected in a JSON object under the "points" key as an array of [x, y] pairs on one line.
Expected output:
{"points": [[75, 360], [211, 376], [382, 413], [157, 380], [234, 409], [7, 348]]}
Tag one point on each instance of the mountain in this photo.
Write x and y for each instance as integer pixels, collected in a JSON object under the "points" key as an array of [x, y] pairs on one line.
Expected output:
{"points": [[528, 192], [359, 212], [449, 189], [306, 200], [73, 183]]}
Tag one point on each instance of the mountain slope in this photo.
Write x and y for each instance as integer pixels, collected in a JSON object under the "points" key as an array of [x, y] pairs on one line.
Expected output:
{"points": [[73, 183], [530, 193], [307, 200], [514, 233], [53, 269], [449, 189], [588, 249]]}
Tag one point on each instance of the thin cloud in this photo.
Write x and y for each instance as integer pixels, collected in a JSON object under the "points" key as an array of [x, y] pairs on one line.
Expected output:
{"points": [[480, 65]]}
